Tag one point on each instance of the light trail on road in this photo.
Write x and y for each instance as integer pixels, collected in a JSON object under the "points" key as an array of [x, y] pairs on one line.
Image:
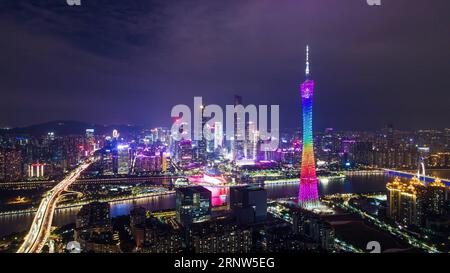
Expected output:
{"points": [[42, 222]]}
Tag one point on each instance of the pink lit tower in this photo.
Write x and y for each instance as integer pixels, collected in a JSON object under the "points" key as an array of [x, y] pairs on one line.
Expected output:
{"points": [[308, 196]]}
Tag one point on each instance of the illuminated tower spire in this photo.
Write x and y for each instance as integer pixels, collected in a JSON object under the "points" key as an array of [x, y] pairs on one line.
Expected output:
{"points": [[308, 196], [307, 62]]}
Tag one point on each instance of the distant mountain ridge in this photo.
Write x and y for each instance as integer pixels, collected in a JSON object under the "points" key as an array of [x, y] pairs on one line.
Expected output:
{"points": [[70, 127]]}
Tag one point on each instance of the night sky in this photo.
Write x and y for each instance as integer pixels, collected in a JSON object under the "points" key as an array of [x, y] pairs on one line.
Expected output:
{"points": [[131, 61]]}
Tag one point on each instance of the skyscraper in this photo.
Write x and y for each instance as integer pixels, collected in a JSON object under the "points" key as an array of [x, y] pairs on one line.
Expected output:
{"points": [[238, 143], [308, 193], [185, 152], [90, 141], [218, 135], [193, 205], [123, 159], [201, 155], [93, 229], [249, 204], [405, 201], [115, 151], [436, 198]]}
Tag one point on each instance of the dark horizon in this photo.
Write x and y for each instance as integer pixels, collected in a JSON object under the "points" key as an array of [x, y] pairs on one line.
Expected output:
{"points": [[39, 128], [116, 62]]}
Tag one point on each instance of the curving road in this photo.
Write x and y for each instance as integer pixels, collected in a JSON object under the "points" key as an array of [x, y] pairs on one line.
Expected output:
{"points": [[42, 222]]}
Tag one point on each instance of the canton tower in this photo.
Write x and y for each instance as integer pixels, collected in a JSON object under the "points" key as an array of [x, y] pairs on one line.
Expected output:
{"points": [[308, 196]]}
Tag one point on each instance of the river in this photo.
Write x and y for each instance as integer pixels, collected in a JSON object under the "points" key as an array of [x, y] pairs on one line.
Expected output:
{"points": [[351, 184]]}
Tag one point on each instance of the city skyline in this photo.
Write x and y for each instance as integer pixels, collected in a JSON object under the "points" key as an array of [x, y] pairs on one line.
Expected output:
{"points": [[201, 127], [362, 65]]}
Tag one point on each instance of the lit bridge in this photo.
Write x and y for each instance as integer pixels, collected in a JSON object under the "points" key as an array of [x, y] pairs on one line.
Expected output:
{"points": [[42, 222], [422, 177]]}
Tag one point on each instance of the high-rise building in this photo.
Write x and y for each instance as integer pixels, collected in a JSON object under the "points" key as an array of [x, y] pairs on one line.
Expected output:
{"points": [[281, 239], [436, 197], [184, 152], [158, 135], [414, 202], [164, 162], [310, 226], [218, 135], [91, 146], [308, 192], [94, 231], [123, 159], [147, 163], [202, 155], [238, 144], [137, 224], [115, 152], [249, 204], [405, 201], [137, 216], [94, 215], [158, 237], [193, 205], [219, 236], [251, 141], [10, 165]]}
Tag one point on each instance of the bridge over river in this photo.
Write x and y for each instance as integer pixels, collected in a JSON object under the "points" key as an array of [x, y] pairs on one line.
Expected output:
{"points": [[422, 177]]}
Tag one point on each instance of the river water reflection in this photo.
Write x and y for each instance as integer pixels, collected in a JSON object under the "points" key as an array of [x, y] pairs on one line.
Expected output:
{"points": [[351, 184]]}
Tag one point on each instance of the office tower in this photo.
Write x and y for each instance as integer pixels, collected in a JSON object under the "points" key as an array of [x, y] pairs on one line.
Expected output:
{"points": [[147, 163], [390, 136], [115, 152], [123, 159], [251, 147], [308, 193], [165, 157], [193, 205], [347, 152], [184, 152], [10, 165], [249, 204], [238, 145], [155, 135], [218, 135], [90, 141], [201, 155], [107, 162]]}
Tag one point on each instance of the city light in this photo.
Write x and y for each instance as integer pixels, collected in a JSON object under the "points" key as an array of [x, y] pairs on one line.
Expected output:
{"points": [[173, 133]]}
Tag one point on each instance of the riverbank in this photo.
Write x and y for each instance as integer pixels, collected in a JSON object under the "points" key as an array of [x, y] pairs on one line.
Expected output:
{"points": [[80, 204]]}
